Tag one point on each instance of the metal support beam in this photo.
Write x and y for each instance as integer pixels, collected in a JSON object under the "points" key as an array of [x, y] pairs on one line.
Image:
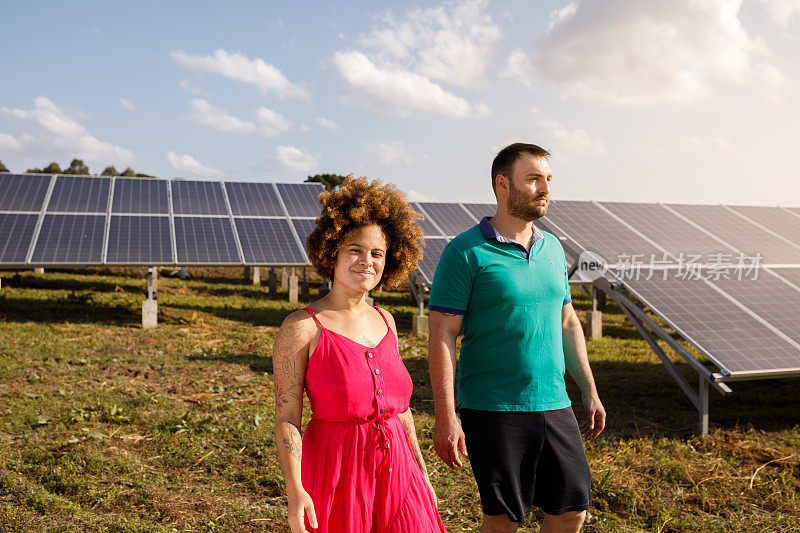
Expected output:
{"points": [[150, 305], [702, 407]]}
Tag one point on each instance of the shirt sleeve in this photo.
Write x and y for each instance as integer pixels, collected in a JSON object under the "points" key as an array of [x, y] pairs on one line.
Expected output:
{"points": [[452, 283]]}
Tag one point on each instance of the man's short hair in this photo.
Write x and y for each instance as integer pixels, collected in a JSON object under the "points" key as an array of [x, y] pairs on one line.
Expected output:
{"points": [[504, 160]]}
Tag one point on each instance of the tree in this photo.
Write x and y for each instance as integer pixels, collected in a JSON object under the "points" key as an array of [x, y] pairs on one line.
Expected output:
{"points": [[128, 172], [330, 181], [3, 167], [52, 168], [110, 171], [77, 166]]}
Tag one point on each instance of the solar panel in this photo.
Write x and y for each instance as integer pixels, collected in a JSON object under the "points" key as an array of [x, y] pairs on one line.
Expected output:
{"points": [[775, 219], [430, 257], [300, 199], [268, 241], [793, 210], [592, 229], [791, 274], [80, 194], [304, 227], [668, 230], [253, 199], [23, 192], [198, 198], [428, 229], [739, 233], [70, 240], [143, 240], [481, 210], [769, 297], [728, 334], [140, 195], [205, 241], [452, 218], [16, 231]]}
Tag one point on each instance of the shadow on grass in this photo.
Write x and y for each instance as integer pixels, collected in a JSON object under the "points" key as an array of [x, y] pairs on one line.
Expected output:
{"points": [[257, 364], [76, 308], [261, 316]]}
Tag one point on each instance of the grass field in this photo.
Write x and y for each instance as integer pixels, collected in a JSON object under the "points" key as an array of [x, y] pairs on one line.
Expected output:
{"points": [[107, 427]]}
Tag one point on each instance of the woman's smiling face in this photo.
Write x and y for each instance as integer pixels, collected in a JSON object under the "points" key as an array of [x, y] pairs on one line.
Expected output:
{"points": [[361, 258]]}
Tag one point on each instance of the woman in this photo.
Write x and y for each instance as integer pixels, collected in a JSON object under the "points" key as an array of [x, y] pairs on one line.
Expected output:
{"points": [[358, 468]]}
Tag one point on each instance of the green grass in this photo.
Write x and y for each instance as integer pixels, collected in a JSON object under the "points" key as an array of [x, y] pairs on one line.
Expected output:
{"points": [[107, 427]]}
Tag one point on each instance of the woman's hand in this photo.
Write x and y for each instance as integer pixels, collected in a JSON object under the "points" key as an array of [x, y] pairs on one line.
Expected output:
{"points": [[301, 506]]}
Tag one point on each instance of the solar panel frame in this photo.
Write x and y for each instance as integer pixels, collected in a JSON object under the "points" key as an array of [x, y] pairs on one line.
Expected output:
{"points": [[146, 196], [668, 230], [480, 210], [706, 304], [24, 199], [125, 232], [739, 233], [430, 257], [300, 199], [203, 198], [201, 240], [769, 297], [304, 227], [79, 194], [16, 234], [790, 274], [774, 219], [69, 239], [253, 199], [269, 241], [452, 219]]}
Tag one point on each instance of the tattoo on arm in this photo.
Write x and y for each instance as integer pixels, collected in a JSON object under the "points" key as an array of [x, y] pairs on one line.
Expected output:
{"points": [[286, 363], [294, 443]]}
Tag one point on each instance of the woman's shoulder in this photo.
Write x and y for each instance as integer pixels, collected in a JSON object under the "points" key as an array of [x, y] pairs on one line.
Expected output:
{"points": [[299, 325], [388, 316]]}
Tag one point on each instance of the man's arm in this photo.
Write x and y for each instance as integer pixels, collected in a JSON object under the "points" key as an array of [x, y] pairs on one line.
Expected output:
{"points": [[448, 437], [577, 362]]}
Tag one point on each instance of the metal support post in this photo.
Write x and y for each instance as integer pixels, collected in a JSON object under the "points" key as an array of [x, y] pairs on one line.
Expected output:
{"points": [[256, 275], [703, 406], [272, 283], [292, 283], [150, 305]]}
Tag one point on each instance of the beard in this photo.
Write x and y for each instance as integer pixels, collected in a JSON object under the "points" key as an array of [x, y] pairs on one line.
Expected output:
{"points": [[523, 207]]}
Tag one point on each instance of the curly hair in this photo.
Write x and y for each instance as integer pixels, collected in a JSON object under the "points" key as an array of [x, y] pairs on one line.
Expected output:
{"points": [[359, 203]]}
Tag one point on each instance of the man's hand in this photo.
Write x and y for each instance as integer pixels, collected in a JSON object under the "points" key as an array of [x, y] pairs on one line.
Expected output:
{"points": [[449, 441], [595, 417]]}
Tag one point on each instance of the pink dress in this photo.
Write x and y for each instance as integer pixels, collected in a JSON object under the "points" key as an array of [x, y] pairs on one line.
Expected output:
{"points": [[357, 462]]}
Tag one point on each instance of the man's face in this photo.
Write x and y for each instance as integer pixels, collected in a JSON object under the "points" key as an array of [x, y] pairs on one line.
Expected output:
{"points": [[529, 188]]}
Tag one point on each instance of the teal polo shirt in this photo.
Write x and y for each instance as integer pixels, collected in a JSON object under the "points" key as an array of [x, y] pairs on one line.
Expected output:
{"points": [[512, 356]]}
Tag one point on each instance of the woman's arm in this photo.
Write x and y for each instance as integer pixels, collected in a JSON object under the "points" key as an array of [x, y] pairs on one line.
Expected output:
{"points": [[408, 423], [289, 360]]}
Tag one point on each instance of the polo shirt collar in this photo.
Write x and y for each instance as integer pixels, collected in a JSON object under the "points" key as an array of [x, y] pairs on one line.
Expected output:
{"points": [[490, 233]]}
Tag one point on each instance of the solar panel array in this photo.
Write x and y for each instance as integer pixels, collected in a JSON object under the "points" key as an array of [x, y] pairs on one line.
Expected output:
{"points": [[63, 220], [725, 277]]}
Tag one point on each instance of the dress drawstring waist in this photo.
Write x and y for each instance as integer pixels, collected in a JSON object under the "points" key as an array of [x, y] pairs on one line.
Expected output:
{"points": [[378, 424]]}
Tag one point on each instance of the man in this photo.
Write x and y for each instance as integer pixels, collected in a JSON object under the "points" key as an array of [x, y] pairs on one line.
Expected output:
{"points": [[505, 283]]}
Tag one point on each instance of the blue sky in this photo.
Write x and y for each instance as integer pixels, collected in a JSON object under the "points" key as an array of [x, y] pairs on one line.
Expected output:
{"points": [[683, 101]]}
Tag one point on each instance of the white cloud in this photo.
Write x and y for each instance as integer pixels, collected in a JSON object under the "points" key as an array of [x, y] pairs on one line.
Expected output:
{"points": [[718, 143], [396, 91], [267, 122], [560, 15], [782, 11], [414, 196], [390, 153], [505, 142], [576, 141], [124, 103], [453, 42], [188, 86], [304, 127], [294, 159], [403, 59], [50, 133], [206, 115], [640, 52], [190, 166], [237, 66], [271, 123], [327, 123]]}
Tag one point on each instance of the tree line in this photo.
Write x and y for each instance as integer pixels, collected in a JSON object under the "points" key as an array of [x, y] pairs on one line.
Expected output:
{"points": [[78, 167]]}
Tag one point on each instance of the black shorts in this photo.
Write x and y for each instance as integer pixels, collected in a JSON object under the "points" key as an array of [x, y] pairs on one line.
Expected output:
{"points": [[526, 458]]}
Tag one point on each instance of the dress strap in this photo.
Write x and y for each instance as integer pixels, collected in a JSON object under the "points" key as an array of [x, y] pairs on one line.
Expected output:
{"points": [[382, 316], [314, 316]]}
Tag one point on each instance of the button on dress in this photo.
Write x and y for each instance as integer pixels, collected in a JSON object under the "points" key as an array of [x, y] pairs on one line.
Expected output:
{"points": [[357, 464]]}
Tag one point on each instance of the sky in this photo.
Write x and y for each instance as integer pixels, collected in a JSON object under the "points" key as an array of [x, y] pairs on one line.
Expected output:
{"points": [[691, 101]]}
